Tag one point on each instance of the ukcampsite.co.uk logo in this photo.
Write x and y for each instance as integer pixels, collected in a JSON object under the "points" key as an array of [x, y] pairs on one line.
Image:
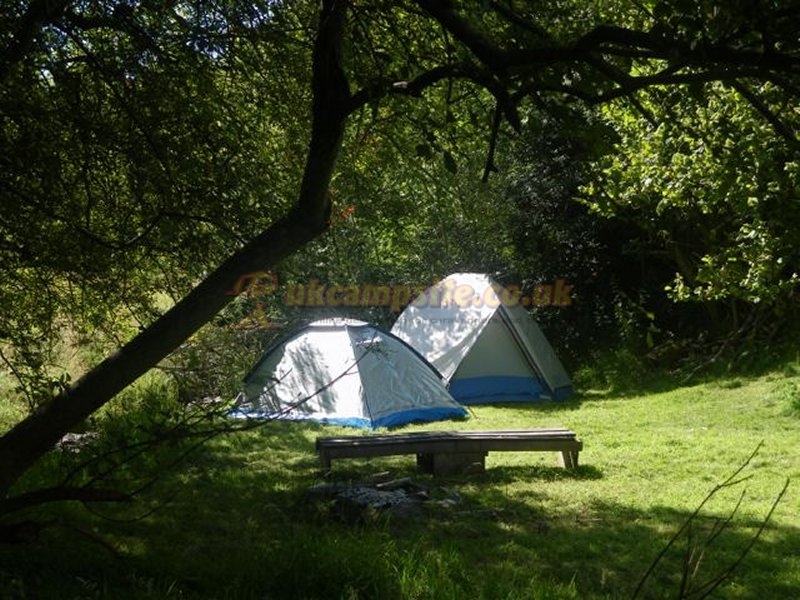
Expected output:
{"points": [[448, 292]]}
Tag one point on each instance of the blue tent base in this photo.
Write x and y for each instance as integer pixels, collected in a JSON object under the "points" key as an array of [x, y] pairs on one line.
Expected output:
{"points": [[393, 420], [563, 392], [417, 415], [489, 390]]}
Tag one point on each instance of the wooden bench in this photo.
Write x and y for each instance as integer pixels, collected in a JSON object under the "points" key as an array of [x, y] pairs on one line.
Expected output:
{"points": [[449, 452]]}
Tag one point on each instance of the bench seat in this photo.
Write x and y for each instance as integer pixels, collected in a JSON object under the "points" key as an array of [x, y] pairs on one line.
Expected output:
{"points": [[448, 452]]}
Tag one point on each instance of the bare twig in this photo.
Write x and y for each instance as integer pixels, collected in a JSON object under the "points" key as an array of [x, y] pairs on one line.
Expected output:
{"points": [[21, 384], [692, 559], [184, 429], [60, 494], [490, 167], [707, 588]]}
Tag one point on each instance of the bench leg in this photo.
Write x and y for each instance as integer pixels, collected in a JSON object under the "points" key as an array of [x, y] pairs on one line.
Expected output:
{"points": [[569, 459], [325, 461], [458, 463], [453, 463], [425, 463]]}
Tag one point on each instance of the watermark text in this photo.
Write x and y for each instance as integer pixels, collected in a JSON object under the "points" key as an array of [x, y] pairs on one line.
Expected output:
{"points": [[444, 293]]}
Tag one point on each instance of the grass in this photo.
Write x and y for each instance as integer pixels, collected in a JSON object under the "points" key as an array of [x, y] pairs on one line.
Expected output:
{"points": [[235, 520], [12, 408]]}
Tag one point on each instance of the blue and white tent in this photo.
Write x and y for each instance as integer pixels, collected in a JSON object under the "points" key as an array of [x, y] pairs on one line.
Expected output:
{"points": [[487, 350], [346, 372]]}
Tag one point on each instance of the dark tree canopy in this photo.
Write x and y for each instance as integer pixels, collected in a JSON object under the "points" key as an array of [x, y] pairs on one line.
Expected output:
{"points": [[154, 150]]}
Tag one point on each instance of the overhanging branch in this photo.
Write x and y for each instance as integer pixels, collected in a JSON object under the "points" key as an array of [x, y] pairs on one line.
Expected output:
{"points": [[709, 60], [412, 87], [781, 128], [489, 166], [31, 438], [61, 494], [629, 85], [38, 14], [416, 86], [484, 49]]}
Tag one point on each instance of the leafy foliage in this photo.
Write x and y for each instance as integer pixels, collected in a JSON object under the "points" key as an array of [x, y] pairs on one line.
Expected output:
{"points": [[714, 188], [555, 237], [138, 148], [149, 150], [710, 191]]}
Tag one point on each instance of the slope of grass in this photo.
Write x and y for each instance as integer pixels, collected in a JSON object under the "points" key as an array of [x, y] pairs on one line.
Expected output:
{"points": [[236, 521], [12, 408]]}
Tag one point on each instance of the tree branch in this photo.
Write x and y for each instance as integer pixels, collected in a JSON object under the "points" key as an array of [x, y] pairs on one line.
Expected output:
{"points": [[61, 494], [119, 21], [709, 61], [29, 439], [414, 87], [419, 84], [39, 14], [664, 78], [609, 40], [483, 48], [732, 480], [707, 588], [781, 128], [622, 36], [514, 18], [489, 166]]}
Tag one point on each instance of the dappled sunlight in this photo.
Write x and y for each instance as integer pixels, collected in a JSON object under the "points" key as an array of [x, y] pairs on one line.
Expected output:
{"points": [[348, 373], [242, 508]]}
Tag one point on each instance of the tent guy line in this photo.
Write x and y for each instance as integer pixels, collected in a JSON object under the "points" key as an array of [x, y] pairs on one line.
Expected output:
{"points": [[382, 382]]}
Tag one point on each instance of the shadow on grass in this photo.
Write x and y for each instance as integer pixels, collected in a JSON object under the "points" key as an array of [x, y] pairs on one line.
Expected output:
{"points": [[367, 470], [653, 384], [605, 548], [237, 522], [511, 473], [620, 375], [551, 406]]}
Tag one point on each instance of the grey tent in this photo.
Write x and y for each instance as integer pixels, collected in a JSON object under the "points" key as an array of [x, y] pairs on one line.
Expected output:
{"points": [[487, 350], [346, 372]]}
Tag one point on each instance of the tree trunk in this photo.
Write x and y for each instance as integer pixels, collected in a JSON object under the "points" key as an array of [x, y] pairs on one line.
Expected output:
{"points": [[31, 438]]}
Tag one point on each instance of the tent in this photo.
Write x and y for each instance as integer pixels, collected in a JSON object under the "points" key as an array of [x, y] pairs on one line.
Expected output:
{"points": [[346, 372], [488, 350]]}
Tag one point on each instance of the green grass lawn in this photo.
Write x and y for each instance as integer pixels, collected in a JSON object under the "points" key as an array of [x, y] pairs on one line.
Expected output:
{"points": [[236, 521]]}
